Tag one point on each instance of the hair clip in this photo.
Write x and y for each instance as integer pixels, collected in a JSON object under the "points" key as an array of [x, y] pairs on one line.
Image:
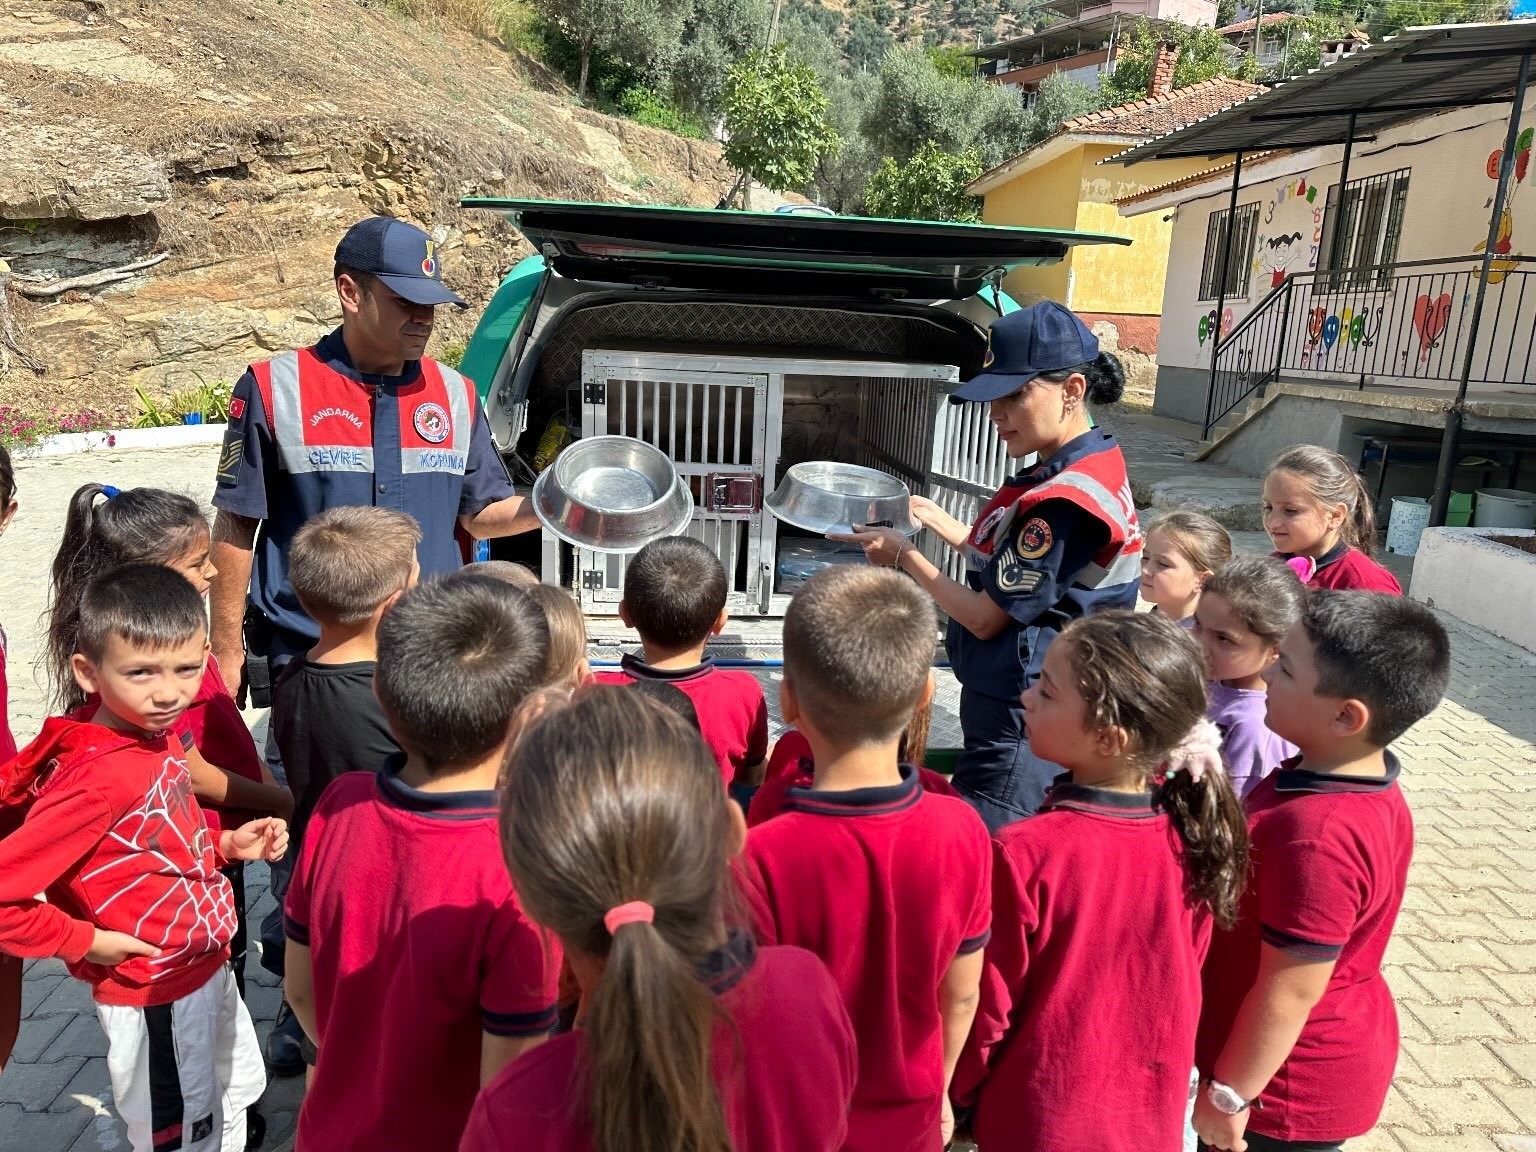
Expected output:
{"points": [[1305, 567], [1199, 752], [110, 492]]}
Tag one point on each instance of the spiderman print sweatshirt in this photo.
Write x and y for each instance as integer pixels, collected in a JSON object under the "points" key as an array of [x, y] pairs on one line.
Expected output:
{"points": [[111, 833]]}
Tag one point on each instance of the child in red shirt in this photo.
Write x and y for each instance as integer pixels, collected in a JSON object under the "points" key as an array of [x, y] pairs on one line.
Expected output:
{"points": [[1298, 1020], [674, 596], [135, 902], [1319, 515], [10, 966], [106, 527], [619, 840], [1143, 840], [889, 885], [792, 766], [410, 962]]}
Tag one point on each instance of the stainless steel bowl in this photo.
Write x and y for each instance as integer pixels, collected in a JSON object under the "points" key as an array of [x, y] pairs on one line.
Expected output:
{"points": [[826, 496], [612, 494]]}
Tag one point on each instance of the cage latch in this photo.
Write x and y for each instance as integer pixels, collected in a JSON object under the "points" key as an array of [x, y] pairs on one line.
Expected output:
{"points": [[732, 492]]}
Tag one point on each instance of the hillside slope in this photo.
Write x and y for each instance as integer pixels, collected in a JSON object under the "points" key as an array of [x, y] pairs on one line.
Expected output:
{"points": [[241, 139]]}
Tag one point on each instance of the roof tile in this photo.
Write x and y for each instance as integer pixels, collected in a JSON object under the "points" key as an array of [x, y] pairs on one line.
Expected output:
{"points": [[1158, 115]]}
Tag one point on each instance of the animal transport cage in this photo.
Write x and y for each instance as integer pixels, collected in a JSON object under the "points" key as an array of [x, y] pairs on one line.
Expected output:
{"points": [[732, 424]]}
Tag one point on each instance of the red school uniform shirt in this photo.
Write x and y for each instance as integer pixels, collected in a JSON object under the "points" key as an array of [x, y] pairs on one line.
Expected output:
{"points": [[7, 741], [418, 945], [733, 716], [780, 1010], [888, 886], [114, 837], [1347, 569], [1091, 992], [1330, 863], [769, 800]]}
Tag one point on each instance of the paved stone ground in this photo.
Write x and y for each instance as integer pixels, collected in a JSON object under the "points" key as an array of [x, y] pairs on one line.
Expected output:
{"points": [[1462, 964]]}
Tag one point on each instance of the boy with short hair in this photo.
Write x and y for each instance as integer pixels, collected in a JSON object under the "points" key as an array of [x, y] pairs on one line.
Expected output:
{"points": [[136, 904], [888, 884], [409, 962], [347, 566], [674, 596], [1298, 1034]]}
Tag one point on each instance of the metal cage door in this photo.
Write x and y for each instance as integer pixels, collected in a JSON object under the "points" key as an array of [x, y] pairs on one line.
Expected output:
{"points": [[714, 426]]}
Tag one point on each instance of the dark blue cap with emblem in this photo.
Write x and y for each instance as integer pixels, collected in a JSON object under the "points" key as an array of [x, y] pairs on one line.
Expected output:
{"points": [[402, 256], [1044, 337]]}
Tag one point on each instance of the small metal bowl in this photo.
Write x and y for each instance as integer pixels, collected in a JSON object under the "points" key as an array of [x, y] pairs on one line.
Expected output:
{"points": [[612, 494], [827, 496]]}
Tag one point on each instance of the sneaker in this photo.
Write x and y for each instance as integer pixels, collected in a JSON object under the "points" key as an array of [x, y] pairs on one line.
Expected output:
{"points": [[284, 1057], [255, 1129]]}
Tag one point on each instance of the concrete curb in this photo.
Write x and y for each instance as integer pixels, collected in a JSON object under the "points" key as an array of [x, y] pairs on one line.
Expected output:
{"points": [[115, 440]]}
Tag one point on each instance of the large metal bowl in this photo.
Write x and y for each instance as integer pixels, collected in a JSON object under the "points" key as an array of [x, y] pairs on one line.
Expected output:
{"points": [[612, 494], [827, 496]]}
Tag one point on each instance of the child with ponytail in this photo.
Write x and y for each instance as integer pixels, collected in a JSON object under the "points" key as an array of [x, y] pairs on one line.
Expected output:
{"points": [[1245, 611], [1103, 903], [1319, 515], [619, 841], [1182, 550]]}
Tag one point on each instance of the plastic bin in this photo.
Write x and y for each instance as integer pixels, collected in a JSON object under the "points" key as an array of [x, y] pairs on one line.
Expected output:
{"points": [[1504, 508], [1410, 514], [1458, 513]]}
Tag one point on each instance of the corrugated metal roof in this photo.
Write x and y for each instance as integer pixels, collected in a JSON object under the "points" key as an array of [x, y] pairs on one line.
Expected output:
{"points": [[1419, 71]]}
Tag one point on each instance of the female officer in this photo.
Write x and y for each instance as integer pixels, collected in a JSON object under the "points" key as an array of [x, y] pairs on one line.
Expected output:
{"points": [[1056, 541]]}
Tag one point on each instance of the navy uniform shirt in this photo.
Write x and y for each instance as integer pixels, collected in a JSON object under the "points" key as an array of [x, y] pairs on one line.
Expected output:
{"points": [[254, 482], [1033, 574]]}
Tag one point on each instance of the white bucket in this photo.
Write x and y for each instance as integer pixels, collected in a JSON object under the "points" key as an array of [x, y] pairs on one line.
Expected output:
{"points": [[1410, 515], [1504, 508]]}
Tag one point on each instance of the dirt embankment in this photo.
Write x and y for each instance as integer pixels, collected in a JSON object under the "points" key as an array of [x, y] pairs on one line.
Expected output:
{"points": [[241, 139]]}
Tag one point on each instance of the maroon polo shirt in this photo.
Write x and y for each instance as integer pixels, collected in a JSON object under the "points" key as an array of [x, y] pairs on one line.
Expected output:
{"points": [[418, 947], [769, 800], [733, 716], [1347, 569], [783, 1057], [1330, 863], [888, 886], [1091, 992]]}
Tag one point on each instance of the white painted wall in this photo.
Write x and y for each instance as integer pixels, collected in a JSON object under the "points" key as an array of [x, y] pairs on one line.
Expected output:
{"points": [[1446, 215], [1487, 585]]}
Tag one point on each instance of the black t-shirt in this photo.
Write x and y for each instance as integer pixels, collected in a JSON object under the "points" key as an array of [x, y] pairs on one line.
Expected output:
{"points": [[327, 721]]}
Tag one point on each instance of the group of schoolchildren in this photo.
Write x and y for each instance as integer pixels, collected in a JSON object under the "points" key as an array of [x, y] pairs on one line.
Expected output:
{"points": [[537, 908]]}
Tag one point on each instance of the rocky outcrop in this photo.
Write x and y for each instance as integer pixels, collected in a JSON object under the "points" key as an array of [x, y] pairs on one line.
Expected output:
{"points": [[243, 147]]}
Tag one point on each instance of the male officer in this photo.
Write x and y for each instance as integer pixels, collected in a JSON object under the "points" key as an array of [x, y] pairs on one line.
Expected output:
{"points": [[362, 417]]}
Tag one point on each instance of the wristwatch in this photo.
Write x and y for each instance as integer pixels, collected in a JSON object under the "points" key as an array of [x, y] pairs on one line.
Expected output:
{"points": [[1224, 1098]]}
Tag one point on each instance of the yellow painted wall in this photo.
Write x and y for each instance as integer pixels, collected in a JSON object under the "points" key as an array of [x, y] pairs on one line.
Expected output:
{"points": [[1044, 197], [1075, 191]]}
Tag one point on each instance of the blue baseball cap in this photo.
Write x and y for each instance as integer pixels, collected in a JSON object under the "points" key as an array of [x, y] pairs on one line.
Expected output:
{"points": [[1044, 337], [402, 256]]}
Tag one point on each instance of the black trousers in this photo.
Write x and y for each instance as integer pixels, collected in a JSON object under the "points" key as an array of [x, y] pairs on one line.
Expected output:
{"points": [[1261, 1143], [234, 872]]}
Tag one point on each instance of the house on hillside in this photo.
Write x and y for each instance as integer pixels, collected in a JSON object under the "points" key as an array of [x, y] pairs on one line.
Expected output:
{"points": [[1268, 38], [1059, 183], [1084, 43]]}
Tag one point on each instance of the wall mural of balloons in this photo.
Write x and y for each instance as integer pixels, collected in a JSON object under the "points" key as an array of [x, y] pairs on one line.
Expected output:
{"points": [[1207, 329]]}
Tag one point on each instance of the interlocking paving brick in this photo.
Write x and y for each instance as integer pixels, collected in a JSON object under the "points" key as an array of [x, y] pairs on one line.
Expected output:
{"points": [[1450, 1108], [90, 1088], [22, 1131], [1455, 987], [1519, 1099], [1459, 1022], [35, 1086], [82, 1037], [37, 1032], [1454, 1062]]}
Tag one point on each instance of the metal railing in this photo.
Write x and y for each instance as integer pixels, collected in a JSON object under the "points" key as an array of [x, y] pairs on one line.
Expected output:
{"points": [[1386, 324]]}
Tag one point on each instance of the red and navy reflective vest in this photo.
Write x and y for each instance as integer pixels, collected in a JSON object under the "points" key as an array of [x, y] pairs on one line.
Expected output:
{"points": [[306, 436], [1089, 474]]}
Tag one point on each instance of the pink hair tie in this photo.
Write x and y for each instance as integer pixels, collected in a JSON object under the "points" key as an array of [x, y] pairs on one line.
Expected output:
{"points": [[635, 912], [1304, 566], [1198, 753]]}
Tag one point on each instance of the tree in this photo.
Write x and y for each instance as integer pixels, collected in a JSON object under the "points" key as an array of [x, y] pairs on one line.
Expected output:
{"points": [[716, 35], [868, 43], [952, 62], [642, 32], [1059, 99], [929, 186], [914, 103], [776, 120], [841, 176], [1203, 55]]}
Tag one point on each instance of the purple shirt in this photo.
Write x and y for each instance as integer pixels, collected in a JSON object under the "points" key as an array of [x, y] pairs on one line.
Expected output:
{"points": [[1251, 750]]}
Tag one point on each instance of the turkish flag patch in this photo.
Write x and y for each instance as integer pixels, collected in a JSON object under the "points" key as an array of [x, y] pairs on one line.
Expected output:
{"points": [[236, 408]]}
